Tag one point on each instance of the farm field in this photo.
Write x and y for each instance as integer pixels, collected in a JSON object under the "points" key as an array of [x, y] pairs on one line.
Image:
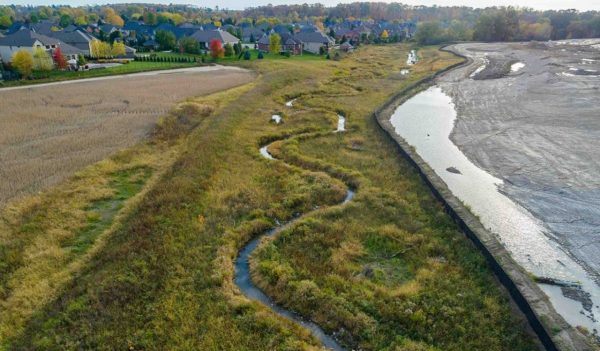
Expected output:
{"points": [[49, 132], [151, 234]]}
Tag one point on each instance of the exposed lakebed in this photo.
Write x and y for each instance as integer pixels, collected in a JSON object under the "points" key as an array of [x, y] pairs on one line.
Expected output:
{"points": [[426, 122]]}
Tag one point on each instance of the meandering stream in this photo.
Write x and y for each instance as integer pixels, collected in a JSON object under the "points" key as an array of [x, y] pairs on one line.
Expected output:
{"points": [[243, 277]]}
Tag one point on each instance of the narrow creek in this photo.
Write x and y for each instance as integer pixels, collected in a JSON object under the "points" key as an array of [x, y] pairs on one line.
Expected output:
{"points": [[425, 121], [243, 277]]}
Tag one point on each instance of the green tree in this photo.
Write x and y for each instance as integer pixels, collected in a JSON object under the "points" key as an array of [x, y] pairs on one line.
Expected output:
{"points": [[497, 25], [228, 50], [22, 61], [81, 60], [65, 20], [189, 45], [274, 43], [5, 21], [429, 33], [166, 40]]}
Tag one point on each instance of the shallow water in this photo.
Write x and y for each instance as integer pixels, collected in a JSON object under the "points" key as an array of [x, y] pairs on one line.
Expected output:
{"points": [[516, 67], [243, 278], [425, 122], [341, 126]]}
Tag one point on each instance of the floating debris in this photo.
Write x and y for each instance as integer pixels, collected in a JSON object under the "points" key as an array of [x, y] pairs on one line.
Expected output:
{"points": [[276, 118], [404, 72], [290, 103], [453, 170]]}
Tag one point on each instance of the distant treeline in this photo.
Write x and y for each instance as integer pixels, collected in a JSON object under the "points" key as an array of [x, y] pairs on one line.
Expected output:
{"points": [[436, 24]]}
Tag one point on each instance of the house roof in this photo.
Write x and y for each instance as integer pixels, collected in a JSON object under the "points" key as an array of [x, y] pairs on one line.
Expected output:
{"points": [[26, 37], [314, 37], [78, 39], [150, 43], [205, 36], [67, 49]]}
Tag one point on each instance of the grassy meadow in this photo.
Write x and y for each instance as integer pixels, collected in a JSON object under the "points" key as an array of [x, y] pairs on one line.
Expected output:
{"points": [[136, 252]]}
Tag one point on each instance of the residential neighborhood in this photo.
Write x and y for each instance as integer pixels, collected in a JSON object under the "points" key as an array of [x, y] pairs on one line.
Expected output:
{"points": [[108, 39]]}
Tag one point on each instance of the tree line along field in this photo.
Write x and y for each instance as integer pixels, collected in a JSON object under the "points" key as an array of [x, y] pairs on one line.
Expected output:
{"points": [[49, 132], [389, 271]]}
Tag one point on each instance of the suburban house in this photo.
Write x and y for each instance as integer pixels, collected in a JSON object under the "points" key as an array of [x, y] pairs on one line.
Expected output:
{"points": [[25, 39], [204, 37], [77, 39], [288, 44], [314, 41]]}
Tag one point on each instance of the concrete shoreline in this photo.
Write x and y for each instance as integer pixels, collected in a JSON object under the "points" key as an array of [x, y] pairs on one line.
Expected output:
{"points": [[552, 330]]}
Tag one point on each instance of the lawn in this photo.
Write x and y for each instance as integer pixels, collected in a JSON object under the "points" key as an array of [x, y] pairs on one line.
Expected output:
{"points": [[131, 67], [389, 271]]}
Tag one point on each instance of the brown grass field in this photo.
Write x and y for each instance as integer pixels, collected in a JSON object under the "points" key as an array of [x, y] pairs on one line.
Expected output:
{"points": [[47, 133]]}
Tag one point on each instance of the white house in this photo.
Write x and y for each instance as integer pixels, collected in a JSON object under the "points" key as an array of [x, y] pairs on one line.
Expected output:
{"points": [[25, 39]]}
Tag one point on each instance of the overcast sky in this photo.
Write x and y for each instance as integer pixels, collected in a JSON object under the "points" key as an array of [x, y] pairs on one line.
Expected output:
{"points": [[241, 4]]}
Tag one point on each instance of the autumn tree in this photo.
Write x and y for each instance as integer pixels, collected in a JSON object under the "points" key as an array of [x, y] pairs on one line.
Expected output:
{"points": [[22, 61], [118, 49], [42, 60], [274, 43], [216, 49], [59, 59], [101, 49], [112, 17], [385, 35]]}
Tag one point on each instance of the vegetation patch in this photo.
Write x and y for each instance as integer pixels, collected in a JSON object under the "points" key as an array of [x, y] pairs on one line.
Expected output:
{"points": [[387, 271]]}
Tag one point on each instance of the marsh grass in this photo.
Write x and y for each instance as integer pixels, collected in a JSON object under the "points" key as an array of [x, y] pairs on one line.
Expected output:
{"points": [[389, 270]]}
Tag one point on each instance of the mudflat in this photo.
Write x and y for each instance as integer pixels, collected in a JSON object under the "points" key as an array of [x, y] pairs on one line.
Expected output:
{"points": [[528, 114], [49, 132]]}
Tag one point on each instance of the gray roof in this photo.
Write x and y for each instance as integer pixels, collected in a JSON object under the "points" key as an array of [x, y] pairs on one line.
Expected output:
{"points": [[78, 39], [26, 37], [314, 37], [206, 36], [67, 49]]}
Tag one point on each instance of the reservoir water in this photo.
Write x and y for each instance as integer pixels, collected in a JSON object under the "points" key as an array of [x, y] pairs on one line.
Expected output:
{"points": [[425, 122]]}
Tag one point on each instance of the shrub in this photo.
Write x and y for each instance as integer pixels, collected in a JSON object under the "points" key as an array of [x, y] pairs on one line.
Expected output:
{"points": [[228, 50], [260, 55], [247, 55], [22, 61]]}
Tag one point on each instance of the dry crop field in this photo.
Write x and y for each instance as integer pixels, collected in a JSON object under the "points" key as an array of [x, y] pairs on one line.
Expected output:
{"points": [[49, 132]]}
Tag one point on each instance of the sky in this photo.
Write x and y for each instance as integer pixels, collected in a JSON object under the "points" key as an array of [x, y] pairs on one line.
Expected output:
{"points": [[241, 4]]}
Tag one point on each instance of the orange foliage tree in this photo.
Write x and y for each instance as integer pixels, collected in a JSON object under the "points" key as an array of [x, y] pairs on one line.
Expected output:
{"points": [[59, 59], [216, 49]]}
